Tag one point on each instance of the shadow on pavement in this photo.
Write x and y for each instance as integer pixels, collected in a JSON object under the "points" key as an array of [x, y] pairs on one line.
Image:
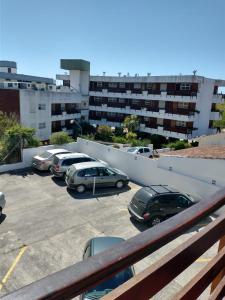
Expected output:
{"points": [[100, 192], [140, 226], [28, 172], [2, 218], [58, 181]]}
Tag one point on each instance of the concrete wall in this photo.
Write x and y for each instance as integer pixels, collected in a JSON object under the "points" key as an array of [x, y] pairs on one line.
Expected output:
{"points": [[146, 171], [206, 170], [217, 139], [30, 152]]}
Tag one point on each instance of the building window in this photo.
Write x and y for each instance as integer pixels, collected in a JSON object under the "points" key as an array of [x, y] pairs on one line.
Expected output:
{"points": [[9, 70], [112, 85], [41, 125], [183, 105], [99, 84], [97, 99], [136, 102], [112, 99], [121, 100], [10, 85], [185, 86], [111, 114], [98, 113], [122, 85], [180, 124], [42, 106], [137, 85]]}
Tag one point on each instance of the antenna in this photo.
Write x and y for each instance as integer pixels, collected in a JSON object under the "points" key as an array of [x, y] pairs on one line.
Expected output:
{"points": [[119, 74], [194, 72]]}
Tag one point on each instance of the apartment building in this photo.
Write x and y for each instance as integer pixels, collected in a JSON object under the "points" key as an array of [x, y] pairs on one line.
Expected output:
{"points": [[182, 107], [39, 103]]}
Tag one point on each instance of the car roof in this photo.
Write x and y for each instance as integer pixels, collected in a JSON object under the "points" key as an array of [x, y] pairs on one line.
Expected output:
{"points": [[89, 164], [55, 151], [71, 155], [160, 189], [100, 244]]}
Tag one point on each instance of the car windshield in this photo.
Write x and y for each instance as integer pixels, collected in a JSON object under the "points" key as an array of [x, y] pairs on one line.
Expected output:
{"points": [[110, 284], [132, 149], [45, 154]]}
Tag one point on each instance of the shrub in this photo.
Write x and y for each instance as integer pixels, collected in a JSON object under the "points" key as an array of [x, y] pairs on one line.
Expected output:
{"points": [[143, 143], [87, 128], [104, 133], [59, 138], [119, 139], [178, 145], [119, 131], [131, 136]]}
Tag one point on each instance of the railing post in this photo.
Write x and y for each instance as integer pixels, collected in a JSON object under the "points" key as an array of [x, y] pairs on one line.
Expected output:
{"points": [[219, 277]]}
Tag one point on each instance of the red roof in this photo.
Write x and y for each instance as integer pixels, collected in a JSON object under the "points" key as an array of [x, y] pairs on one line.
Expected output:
{"points": [[210, 152]]}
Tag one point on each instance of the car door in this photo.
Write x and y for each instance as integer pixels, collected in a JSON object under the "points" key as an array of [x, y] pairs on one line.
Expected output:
{"points": [[181, 203], [164, 205], [88, 178], [106, 177], [141, 151], [146, 152]]}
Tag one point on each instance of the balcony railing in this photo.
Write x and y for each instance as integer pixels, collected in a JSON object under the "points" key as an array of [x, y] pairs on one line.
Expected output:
{"points": [[80, 277]]}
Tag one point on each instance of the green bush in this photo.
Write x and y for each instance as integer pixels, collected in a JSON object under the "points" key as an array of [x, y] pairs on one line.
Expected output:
{"points": [[119, 139], [143, 143], [59, 138], [131, 136], [119, 131], [178, 145], [104, 133]]}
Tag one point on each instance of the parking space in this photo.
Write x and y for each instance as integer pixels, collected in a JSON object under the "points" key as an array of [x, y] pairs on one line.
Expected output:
{"points": [[52, 225]]}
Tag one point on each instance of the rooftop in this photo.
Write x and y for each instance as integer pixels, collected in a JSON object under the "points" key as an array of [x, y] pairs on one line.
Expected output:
{"points": [[209, 152]]}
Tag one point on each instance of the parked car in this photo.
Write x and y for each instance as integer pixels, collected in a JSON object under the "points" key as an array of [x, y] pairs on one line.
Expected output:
{"points": [[62, 162], [44, 160], [81, 176], [155, 203], [2, 202], [95, 246], [143, 151]]}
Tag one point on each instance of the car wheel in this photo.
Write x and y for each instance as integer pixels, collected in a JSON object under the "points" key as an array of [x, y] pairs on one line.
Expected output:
{"points": [[155, 220], [120, 184], [80, 188]]}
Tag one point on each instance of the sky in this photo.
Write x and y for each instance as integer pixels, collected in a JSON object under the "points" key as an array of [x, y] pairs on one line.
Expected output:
{"points": [[161, 37]]}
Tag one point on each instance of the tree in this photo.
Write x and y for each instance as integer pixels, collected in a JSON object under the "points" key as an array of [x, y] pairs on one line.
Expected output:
{"points": [[6, 122], [59, 138], [131, 123], [104, 133]]}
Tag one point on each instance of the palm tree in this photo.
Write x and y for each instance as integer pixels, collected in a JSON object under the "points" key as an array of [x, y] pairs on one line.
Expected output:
{"points": [[131, 123]]}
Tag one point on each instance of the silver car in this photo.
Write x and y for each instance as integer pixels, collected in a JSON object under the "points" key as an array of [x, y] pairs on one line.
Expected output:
{"points": [[2, 202], [62, 162], [83, 175], [44, 160]]}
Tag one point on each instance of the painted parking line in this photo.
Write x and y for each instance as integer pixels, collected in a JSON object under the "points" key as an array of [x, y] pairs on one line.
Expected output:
{"points": [[203, 260], [15, 262]]}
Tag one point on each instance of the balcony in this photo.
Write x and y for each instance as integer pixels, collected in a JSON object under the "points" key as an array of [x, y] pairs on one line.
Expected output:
{"points": [[145, 96], [65, 115], [74, 280]]}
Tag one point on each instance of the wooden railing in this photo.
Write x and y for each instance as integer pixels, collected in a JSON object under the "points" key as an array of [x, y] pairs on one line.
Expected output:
{"points": [[75, 279]]}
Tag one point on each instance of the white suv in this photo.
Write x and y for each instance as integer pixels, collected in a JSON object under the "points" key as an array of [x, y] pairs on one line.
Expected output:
{"points": [[2, 202], [144, 151]]}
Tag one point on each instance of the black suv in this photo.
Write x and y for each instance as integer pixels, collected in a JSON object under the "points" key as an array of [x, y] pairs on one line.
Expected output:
{"points": [[155, 203]]}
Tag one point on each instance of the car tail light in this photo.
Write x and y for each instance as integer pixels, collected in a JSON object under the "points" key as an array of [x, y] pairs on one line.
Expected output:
{"points": [[146, 216]]}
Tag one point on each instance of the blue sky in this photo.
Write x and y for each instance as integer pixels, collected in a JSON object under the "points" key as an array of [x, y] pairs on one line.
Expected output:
{"points": [[161, 37]]}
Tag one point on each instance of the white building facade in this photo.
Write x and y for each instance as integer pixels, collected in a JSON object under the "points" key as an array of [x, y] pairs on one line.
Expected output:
{"points": [[182, 107]]}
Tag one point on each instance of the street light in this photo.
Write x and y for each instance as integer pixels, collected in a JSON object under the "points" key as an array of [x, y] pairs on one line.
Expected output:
{"points": [[74, 121]]}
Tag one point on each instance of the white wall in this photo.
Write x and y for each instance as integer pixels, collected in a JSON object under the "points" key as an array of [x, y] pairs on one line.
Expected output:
{"points": [[30, 152], [217, 139], [144, 170], [206, 170]]}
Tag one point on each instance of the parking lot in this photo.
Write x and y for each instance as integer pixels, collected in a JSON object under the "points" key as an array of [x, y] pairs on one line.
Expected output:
{"points": [[45, 228]]}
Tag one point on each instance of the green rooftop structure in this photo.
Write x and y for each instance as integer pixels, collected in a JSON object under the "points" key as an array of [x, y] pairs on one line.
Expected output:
{"points": [[75, 64]]}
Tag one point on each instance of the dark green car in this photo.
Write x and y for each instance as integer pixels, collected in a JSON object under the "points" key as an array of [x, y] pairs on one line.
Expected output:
{"points": [[155, 203]]}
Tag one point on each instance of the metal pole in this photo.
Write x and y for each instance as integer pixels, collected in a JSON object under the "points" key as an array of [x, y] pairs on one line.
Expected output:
{"points": [[94, 186]]}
